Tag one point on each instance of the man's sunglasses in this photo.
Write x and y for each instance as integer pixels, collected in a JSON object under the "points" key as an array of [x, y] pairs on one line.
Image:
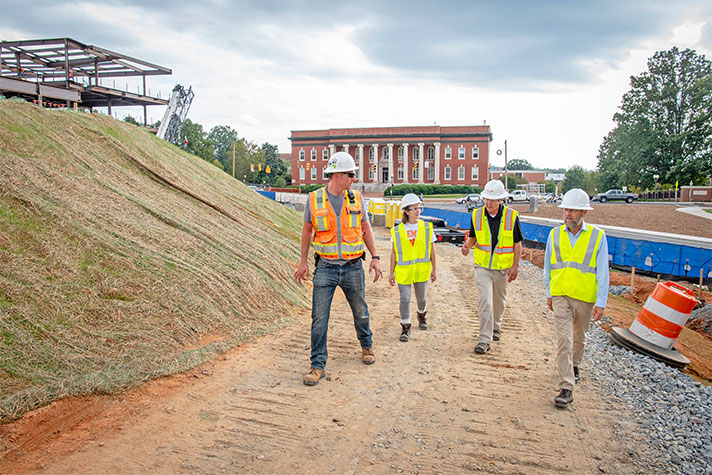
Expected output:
{"points": [[350, 174]]}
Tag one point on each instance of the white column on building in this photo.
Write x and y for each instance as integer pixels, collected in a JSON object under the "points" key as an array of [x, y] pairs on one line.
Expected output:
{"points": [[361, 162], [332, 149], [421, 158], [406, 178], [437, 164], [375, 157], [390, 163], [346, 148]]}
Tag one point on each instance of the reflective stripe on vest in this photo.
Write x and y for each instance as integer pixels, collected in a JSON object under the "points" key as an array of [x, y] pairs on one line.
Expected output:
{"points": [[573, 269], [503, 255], [326, 242], [412, 260]]}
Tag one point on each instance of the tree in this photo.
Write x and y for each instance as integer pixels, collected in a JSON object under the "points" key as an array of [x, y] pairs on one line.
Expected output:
{"points": [[131, 120], [664, 125], [197, 142], [278, 167], [222, 137], [249, 156], [575, 178], [519, 164]]}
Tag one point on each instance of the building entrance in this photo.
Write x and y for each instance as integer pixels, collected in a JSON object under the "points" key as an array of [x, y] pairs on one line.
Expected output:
{"points": [[384, 175]]}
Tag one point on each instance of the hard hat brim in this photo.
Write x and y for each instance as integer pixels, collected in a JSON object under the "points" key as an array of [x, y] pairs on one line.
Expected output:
{"points": [[329, 171], [493, 196]]}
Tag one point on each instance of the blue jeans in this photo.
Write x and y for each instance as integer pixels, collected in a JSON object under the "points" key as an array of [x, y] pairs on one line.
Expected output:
{"points": [[351, 279]]}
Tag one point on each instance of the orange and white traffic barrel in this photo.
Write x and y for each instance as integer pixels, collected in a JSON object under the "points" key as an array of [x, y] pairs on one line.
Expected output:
{"points": [[664, 314]]}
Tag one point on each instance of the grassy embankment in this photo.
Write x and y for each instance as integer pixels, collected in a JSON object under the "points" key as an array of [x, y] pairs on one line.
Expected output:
{"points": [[123, 258]]}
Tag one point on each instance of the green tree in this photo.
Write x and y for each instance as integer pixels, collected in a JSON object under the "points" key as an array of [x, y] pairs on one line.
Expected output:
{"points": [[575, 178], [222, 137], [519, 164], [195, 141], [249, 157], [131, 120], [278, 167], [664, 125]]}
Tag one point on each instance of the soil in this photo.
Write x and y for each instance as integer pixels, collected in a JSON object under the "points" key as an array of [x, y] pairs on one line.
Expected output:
{"points": [[430, 405]]}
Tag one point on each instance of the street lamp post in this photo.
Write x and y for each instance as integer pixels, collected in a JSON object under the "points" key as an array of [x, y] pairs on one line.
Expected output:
{"points": [[499, 152], [655, 177]]}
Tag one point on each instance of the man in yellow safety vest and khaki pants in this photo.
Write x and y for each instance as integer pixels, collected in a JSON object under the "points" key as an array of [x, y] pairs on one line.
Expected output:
{"points": [[576, 278], [496, 242], [337, 226]]}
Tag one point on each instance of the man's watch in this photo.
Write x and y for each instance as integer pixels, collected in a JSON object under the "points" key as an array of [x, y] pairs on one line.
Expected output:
{"points": [[376, 257]]}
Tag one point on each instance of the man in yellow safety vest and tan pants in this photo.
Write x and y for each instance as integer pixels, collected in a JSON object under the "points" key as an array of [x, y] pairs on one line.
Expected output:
{"points": [[496, 242], [576, 278]]}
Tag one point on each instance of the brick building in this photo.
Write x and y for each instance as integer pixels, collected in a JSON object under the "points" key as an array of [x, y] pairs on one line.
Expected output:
{"points": [[429, 155]]}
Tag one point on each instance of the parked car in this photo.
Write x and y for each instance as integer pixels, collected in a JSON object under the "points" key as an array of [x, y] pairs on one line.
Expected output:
{"points": [[470, 197], [518, 195], [253, 187], [615, 195], [442, 232], [471, 205]]}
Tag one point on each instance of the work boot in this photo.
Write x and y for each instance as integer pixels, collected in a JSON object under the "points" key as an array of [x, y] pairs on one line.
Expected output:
{"points": [[496, 334], [577, 375], [565, 397], [368, 356], [405, 331], [482, 348], [313, 376], [422, 324]]}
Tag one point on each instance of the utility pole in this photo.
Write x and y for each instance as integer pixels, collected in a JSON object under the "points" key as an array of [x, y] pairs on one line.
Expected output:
{"points": [[506, 186]]}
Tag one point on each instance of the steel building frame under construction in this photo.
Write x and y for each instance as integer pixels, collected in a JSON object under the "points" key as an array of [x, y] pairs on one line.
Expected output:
{"points": [[65, 70]]}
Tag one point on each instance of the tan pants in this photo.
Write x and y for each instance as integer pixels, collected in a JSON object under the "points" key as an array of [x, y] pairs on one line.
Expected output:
{"points": [[572, 318], [492, 292]]}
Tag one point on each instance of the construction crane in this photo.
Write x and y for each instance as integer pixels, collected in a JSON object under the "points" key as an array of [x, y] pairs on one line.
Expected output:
{"points": [[175, 115]]}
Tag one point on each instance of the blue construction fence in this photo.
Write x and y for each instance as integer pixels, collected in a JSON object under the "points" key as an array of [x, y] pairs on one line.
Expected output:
{"points": [[648, 257]]}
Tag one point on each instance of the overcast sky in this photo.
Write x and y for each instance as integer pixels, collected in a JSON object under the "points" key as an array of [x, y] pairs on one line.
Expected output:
{"points": [[547, 76]]}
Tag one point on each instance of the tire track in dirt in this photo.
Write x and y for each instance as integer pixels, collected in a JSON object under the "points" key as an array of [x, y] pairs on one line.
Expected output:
{"points": [[430, 405]]}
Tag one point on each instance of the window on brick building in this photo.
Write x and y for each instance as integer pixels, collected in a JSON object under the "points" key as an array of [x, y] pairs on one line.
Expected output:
{"points": [[313, 173], [370, 173], [313, 154], [400, 173], [400, 154], [416, 154], [448, 173], [431, 173], [461, 173], [301, 155], [448, 153], [475, 152], [475, 173], [415, 175], [461, 153], [370, 154], [324, 176], [301, 173], [325, 154], [431, 153]]}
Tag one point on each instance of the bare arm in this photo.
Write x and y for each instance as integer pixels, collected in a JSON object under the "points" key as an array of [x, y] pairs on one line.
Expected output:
{"points": [[468, 245], [514, 270], [392, 274], [302, 272], [370, 243], [433, 273]]}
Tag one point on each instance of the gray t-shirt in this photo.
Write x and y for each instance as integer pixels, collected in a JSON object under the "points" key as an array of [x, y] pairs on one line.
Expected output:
{"points": [[336, 203]]}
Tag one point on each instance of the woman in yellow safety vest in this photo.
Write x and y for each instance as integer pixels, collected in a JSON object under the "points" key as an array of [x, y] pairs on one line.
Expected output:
{"points": [[412, 261]]}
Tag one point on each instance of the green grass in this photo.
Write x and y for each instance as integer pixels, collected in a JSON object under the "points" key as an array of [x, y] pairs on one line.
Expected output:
{"points": [[708, 211]]}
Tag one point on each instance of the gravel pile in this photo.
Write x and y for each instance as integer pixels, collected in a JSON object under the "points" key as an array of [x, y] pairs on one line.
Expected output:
{"points": [[673, 411], [618, 289]]}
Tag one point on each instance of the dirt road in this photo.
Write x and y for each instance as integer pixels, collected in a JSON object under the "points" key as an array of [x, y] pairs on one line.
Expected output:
{"points": [[427, 406]]}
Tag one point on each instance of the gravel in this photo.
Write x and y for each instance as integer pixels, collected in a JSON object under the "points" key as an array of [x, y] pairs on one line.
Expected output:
{"points": [[618, 289], [672, 410]]}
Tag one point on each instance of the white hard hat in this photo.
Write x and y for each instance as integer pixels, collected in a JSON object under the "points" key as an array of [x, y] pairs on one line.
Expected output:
{"points": [[341, 162], [409, 199], [494, 190], [575, 198]]}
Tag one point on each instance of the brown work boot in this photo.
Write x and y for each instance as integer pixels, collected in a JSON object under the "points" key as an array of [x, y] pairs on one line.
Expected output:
{"points": [[422, 324], [405, 331], [313, 376], [368, 356]]}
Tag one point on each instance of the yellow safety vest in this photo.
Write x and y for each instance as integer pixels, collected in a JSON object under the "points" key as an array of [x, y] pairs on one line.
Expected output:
{"points": [[503, 256], [573, 270], [412, 260], [326, 240]]}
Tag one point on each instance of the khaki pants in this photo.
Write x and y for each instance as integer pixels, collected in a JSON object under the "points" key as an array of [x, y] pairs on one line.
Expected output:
{"points": [[492, 291], [572, 318]]}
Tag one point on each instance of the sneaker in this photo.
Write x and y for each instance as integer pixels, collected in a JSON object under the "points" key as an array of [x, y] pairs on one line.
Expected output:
{"points": [[482, 348], [565, 397], [368, 356], [496, 334], [405, 331], [577, 375], [313, 376], [422, 324]]}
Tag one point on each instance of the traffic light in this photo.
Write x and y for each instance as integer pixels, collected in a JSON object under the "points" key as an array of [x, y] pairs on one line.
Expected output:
{"points": [[373, 168], [415, 166]]}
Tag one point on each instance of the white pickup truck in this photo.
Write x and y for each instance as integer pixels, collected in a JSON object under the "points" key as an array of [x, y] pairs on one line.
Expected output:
{"points": [[518, 195]]}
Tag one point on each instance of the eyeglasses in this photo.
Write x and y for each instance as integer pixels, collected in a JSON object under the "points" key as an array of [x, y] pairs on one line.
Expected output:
{"points": [[350, 174]]}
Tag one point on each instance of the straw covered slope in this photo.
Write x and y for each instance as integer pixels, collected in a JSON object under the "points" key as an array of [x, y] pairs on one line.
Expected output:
{"points": [[123, 258]]}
